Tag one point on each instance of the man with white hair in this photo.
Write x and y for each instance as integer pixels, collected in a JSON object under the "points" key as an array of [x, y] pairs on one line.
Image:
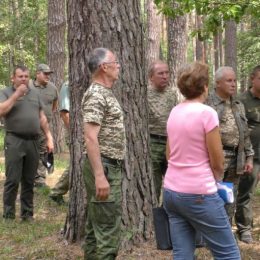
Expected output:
{"points": [[104, 135], [234, 132]]}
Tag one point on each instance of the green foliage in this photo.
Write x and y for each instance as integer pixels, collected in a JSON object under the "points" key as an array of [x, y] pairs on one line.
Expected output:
{"points": [[248, 50], [215, 12], [23, 27]]}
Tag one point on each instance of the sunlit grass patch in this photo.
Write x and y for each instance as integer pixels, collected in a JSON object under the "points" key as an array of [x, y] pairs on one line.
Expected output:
{"points": [[61, 161], [257, 191]]}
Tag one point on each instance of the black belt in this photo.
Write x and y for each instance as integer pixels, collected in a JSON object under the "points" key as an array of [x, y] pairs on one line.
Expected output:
{"points": [[159, 137], [111, 160], [230, 148], [25, 137]]}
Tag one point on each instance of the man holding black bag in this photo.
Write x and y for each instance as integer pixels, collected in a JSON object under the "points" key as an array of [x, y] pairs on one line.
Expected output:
{"points": [[22, 110]]}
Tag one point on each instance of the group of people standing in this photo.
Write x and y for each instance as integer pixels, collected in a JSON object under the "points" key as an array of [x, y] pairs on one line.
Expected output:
{"points": [[206, 144], [209, 141], [194, 144], [27, 107]]}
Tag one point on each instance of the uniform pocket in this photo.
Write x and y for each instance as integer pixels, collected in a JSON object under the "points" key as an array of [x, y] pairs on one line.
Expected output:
{"points": [[103, 212]]}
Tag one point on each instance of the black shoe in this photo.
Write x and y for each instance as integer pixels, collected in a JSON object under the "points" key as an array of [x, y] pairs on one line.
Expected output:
{"points": [[28, 219], [58, 199], [8, 216], [246, 238]]}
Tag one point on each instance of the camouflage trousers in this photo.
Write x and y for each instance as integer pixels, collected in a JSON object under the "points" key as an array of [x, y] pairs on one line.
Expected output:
{"points": [[230, 175], [103, 225], [244, 210], [159, 164], [40, 176], [62, 186]]}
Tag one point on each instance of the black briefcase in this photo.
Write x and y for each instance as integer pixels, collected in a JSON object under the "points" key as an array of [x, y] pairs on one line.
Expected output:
{"points": [[162, 229]]}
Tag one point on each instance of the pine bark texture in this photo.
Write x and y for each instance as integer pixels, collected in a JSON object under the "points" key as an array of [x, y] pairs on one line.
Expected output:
{"points": [[231, 44], [56, 59], [177, 47], [216, 52], [154, 24], [200, 54], [115, 25]]}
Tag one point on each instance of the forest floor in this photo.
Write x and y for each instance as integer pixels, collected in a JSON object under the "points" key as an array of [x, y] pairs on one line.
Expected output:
{"points": [[43, 239]]}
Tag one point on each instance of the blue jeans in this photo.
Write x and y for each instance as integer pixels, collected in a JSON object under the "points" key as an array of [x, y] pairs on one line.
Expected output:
{"points": [[189, 213]]}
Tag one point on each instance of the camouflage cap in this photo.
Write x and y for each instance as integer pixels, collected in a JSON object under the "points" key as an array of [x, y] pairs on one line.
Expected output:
{"points": [[44, 68]]}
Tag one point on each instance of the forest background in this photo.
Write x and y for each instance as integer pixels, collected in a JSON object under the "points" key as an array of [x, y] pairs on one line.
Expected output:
{"points": [[62, 33]]}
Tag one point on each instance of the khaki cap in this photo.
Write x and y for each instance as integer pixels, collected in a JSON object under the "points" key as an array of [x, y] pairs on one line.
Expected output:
{"points": [[44, 68]]}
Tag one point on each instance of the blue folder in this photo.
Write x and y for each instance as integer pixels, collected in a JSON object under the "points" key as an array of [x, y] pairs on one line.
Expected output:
{"points": [[225, 191]]}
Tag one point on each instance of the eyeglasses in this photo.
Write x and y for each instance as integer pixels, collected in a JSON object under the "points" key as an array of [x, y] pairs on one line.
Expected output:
{"points": [[111, 62]]}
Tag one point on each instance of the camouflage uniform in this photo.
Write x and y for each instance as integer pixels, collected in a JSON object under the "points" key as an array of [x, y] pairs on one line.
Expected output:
{"points": [[235, 140], [247, 184], [48, 95], [103, 225], [62, 186], [160, 105]]}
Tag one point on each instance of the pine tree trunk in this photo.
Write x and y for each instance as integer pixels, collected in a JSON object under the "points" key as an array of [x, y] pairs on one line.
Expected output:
{"points": [[200, 55], [177, 47], [154, 20], [56, 59], [117, 26], [216, 52], [231, 45], [221, 52]]}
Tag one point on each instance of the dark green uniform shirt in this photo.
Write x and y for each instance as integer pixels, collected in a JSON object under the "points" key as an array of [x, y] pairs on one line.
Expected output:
{"points": [[48, 94], [23, 118], [252, 107]]}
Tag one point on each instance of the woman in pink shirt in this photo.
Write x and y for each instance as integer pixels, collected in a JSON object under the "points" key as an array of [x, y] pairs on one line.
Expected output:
{"points": [[195, 163]]}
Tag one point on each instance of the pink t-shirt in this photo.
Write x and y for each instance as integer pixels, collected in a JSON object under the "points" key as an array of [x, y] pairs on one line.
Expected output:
{"points": [[188, 165]]}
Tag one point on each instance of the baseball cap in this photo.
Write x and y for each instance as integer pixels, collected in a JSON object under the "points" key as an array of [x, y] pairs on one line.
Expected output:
{"points": [[44, 68]]}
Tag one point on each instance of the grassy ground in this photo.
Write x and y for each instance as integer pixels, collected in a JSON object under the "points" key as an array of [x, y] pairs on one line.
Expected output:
{"points": [[43, 238]]}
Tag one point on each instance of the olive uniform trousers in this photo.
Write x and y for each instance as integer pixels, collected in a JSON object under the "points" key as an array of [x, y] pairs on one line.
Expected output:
{"points": [[159, 163], [244, 211], [21, 162], [103, 226]]}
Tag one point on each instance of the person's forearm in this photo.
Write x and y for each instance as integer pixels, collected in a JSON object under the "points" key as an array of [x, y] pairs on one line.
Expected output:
{"points": [[45, 127], [94, 156], [218, 173], [7, 105], [65, 118], [250, 159]]}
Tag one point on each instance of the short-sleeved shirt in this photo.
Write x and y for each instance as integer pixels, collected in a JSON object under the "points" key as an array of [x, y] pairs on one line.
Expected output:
{"points": [[64, 98], [100, 106], [23, 118], [189, 168], [252, 108], [160, 104], [48, 94]]}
